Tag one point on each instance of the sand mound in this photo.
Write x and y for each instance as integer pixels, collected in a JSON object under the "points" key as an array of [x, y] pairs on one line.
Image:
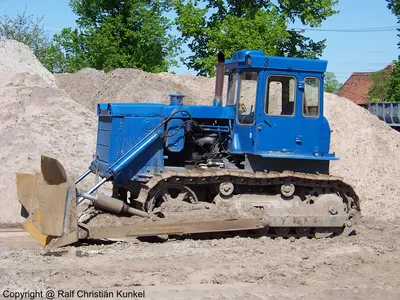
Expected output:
{"points": [[369, 152], [36, 119], [16, 58], [90, 87]]}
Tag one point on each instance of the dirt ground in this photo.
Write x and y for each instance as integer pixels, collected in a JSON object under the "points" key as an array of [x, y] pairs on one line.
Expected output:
{"points": [[361, 266]]}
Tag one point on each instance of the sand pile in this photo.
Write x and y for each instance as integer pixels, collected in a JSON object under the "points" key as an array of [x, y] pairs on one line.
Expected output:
{"points": [[368, 148], [369, 152], [38, 118], [90, 87], [15, 58]]}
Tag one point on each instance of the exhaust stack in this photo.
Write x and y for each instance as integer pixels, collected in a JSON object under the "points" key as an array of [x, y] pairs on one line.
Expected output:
{"points": [[219, 80]]}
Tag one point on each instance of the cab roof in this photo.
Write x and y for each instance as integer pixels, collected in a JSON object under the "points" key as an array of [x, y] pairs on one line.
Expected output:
{"points": [[257, 59]]}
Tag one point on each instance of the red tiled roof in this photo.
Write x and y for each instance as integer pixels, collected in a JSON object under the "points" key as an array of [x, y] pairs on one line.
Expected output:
{"points": [[357, 86]]}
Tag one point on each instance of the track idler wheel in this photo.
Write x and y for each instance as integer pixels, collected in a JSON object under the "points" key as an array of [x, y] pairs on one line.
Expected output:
{"points": [[282, 231], [303, 231], [169, 192]]}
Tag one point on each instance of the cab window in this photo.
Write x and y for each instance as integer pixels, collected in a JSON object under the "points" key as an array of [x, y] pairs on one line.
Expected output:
{"points": [[281, 95], [311, 97], [247, 97], [232, 88]]}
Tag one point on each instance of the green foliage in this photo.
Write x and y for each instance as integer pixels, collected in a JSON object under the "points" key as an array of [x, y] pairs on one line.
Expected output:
{"points": [[394, 83], [386, 85], [118, 34], [331, 84], [394, 80], [380, 89], [29, 30], [227, 26], [394, 6]]}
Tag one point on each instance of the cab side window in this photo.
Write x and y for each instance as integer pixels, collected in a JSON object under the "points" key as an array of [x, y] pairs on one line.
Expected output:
{"points": [[247, 97], [281, 96], [311, 97]]}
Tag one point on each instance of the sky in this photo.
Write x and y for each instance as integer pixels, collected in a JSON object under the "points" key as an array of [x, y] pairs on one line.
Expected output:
{"points": [[346, 52]]}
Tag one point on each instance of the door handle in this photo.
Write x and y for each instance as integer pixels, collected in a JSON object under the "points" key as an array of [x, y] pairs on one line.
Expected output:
{"points": [[259, 127]]}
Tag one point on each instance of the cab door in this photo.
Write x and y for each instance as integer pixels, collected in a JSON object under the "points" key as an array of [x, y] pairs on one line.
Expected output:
{"points": [[246, 108], [310, 116], [276, 125]]}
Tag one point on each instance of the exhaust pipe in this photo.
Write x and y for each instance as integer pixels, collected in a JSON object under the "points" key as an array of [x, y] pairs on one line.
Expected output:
{"points": [[219, 80]]}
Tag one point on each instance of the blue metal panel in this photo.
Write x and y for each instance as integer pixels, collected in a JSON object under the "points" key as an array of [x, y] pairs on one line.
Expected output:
{"points": [[104, 139], [176, 142], [296, 64], [240, 56], [133, 154], [103, 153], [256, 59], [158, 110], [272, 154], [109, 135], [235, 146], [325, 137], [132, 109], [109, 130], [117, 136], [105, 123], [201, 112], [149, 162], [242, 139]]}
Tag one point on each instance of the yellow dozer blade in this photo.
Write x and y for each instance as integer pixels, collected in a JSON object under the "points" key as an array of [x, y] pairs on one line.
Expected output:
{"points": [[49, 204]]}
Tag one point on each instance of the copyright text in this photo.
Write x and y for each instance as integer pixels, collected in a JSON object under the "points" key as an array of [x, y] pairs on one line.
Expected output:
{"points": [[81, 294]]}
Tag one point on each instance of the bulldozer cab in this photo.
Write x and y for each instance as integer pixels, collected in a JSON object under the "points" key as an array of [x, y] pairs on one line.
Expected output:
{"points": [[279, 106]]}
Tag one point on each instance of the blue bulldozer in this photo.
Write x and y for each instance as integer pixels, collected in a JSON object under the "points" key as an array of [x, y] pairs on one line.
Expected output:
{"points": [[258, 161]]}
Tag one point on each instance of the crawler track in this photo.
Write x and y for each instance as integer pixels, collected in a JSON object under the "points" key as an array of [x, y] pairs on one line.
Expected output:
{"points": [[308, 187]]}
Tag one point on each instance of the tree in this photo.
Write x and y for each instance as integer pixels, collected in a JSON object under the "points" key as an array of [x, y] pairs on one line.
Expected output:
{"points": [[394, 7], [380, 89], [394, 83], [331, 84], [119, 34], [30, 30], [394, 80], [216, 25]]}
